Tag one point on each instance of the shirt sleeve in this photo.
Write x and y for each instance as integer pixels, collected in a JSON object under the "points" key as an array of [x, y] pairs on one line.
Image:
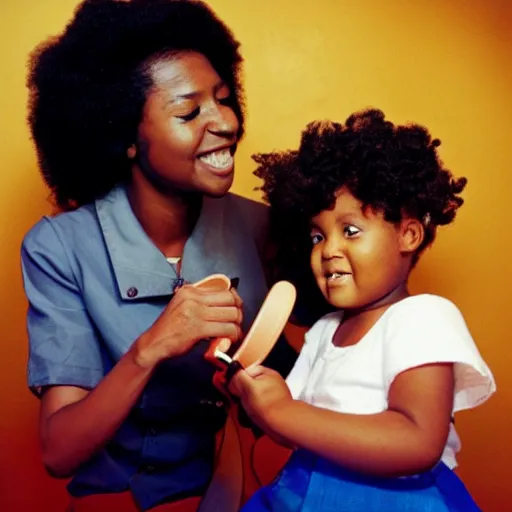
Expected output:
{"points": [[428, 329], [63, 345]]}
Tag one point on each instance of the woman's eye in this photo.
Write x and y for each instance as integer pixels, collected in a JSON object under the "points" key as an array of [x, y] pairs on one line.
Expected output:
{"points": [[316, 238], [226, 101], [189, 117], [350, 231]]}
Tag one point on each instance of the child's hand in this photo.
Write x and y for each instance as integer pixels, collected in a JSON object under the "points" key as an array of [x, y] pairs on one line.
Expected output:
{"points": [[262, 392]]}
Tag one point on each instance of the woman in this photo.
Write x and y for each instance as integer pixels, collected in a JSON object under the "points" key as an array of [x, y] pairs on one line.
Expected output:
{"points": [[136, 112]]}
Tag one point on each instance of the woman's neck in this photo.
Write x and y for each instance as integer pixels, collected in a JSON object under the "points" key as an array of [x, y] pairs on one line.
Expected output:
{"points": [[168, 220]]}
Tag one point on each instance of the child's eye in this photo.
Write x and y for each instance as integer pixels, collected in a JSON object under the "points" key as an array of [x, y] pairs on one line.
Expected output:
{"points": [[316, 238], [350, 231], [189, 117]]}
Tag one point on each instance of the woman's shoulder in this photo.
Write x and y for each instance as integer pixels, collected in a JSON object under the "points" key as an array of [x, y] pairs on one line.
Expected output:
{"points": [[254, 217], [247, 204], [70, 227], [254, 213]]}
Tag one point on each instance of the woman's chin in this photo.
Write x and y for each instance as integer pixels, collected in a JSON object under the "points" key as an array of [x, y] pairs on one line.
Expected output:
{"points": [[218, 187]]}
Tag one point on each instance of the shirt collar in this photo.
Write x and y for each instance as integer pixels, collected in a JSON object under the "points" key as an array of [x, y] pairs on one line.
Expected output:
{"points": [[140, 268]]}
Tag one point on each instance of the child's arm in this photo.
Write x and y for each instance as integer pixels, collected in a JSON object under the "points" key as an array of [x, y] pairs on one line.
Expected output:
{"points": [[407, 438]]}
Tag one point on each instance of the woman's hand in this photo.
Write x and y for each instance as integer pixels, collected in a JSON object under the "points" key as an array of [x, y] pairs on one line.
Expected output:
{"points": [[262, 392], [192, 314], [76, 423]]}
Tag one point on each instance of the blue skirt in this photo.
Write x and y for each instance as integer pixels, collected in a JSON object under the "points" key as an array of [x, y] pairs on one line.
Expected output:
{"points": [[309, 483]]}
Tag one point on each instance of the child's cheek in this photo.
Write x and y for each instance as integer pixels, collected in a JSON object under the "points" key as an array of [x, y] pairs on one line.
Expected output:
{"points": [[322, 284]]}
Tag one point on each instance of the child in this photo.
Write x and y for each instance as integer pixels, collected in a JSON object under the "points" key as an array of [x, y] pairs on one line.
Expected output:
{"points": [[368, 405]]}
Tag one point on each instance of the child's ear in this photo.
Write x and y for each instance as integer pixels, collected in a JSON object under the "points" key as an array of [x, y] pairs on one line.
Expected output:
{"points": [[411, 235]]}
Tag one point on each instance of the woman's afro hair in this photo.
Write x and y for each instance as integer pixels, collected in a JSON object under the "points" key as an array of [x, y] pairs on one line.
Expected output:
{"points": [[89, 85]]}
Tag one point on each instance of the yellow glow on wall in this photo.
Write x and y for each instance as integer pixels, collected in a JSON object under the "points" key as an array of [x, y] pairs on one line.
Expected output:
{"points": [[443, 64]]}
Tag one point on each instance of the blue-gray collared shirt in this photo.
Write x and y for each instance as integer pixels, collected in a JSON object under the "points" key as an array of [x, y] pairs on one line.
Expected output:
{"points": [[95, 282]]}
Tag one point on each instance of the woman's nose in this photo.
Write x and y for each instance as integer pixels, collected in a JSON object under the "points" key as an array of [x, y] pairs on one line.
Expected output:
{"points": [[223, 121]]}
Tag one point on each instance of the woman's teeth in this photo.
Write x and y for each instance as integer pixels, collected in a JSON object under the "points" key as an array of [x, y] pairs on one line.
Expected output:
{"points": [[221, 159], [333, 276]]}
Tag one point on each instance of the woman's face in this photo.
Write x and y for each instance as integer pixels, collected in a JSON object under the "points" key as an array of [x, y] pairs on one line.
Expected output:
{"points": [[188, 133]]}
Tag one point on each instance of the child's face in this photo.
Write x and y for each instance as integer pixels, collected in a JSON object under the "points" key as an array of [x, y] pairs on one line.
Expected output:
{"points": [[357, 257]]}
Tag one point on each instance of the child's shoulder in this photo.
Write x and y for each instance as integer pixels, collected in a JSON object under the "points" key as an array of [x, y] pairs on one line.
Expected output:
{"points": [[424, 314], [424, 305], [429, 329]]}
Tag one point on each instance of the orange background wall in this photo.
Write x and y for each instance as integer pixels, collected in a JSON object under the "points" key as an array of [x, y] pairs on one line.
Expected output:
{"points": [[444, 64]]}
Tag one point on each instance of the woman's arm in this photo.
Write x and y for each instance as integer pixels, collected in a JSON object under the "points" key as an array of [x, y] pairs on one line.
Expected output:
{"points": [[75, 423], [408, 438]]}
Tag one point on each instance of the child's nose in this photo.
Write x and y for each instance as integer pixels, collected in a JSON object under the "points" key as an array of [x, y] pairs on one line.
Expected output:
{"points": [[332, 248]]}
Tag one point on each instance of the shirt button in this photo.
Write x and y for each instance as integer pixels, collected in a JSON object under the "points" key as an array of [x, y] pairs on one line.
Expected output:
{"points": [[152, 432], [178, 283], [132, 292], [149, 469]]}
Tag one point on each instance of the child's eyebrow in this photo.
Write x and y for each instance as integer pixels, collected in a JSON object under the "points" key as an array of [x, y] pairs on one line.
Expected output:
{"points": [[349, 217], [312, 225]]}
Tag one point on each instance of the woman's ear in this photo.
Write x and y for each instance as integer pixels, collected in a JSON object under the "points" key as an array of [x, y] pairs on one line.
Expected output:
{"points": [[411, 235], [131, 152]]}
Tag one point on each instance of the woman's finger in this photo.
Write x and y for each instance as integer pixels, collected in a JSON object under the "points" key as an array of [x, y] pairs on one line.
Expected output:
{"points": [[238, 300], [229, 330], [206, 297], [223, 314]]}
